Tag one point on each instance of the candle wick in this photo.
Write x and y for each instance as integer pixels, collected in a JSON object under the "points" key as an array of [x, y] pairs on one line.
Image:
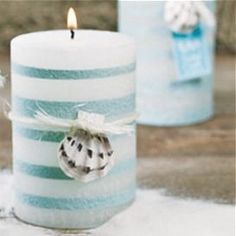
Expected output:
{"points": [[72, 34]]}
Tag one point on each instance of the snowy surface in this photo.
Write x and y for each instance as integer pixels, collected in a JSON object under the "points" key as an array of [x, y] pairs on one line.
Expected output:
{"points": [[153, 214]]}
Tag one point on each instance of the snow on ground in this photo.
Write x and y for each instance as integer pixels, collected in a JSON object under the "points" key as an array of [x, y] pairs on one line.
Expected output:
{"points": [[152, 214]]}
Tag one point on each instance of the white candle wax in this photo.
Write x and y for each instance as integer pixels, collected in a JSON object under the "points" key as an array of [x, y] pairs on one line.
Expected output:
{"points": [[93, 72]]}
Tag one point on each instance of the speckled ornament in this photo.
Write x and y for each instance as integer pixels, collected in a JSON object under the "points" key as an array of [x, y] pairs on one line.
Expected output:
{"points": [[85, 156]]}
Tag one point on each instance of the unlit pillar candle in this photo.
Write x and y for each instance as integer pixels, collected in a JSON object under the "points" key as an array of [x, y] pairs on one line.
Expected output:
{"points": [[161, 99]]}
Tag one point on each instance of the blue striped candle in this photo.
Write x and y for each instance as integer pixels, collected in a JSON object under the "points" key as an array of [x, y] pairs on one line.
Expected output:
{"points": [[50, 72], [162, 100]]}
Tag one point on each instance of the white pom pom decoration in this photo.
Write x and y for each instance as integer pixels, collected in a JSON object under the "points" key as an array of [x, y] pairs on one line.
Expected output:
{"points": [[181, 16]]}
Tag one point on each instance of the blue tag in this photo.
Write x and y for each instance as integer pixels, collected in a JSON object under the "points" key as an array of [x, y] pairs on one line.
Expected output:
{"points": [[191, 54]]}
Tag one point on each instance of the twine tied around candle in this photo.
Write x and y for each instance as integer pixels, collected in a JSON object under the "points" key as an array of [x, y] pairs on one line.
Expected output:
{"points": [[90, 122]]}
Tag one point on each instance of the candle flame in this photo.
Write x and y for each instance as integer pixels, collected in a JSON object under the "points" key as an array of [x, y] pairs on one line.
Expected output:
{"points": [[71, 19]]}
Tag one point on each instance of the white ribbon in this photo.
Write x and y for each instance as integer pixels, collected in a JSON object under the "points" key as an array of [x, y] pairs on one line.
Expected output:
{"points": [[206, 15], [90, 122], [2, 80]]}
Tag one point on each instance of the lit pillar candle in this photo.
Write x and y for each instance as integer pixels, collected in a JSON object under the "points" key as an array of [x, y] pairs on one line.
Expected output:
{"points": [[93, 72], [162, 100]]}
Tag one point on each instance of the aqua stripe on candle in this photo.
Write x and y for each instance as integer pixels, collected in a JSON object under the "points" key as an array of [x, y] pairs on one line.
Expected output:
{"points": [[56, 173], [68, 110], [40, 73], [40, 171], [77, 203]]}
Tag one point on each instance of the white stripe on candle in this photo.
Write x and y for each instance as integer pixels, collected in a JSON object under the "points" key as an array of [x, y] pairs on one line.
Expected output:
{"points": [[73, 90], [110, 184], [45, 152]]}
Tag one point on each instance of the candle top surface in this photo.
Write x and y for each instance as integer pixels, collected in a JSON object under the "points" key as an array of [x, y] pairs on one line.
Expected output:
{"points": [[84, 39]]}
